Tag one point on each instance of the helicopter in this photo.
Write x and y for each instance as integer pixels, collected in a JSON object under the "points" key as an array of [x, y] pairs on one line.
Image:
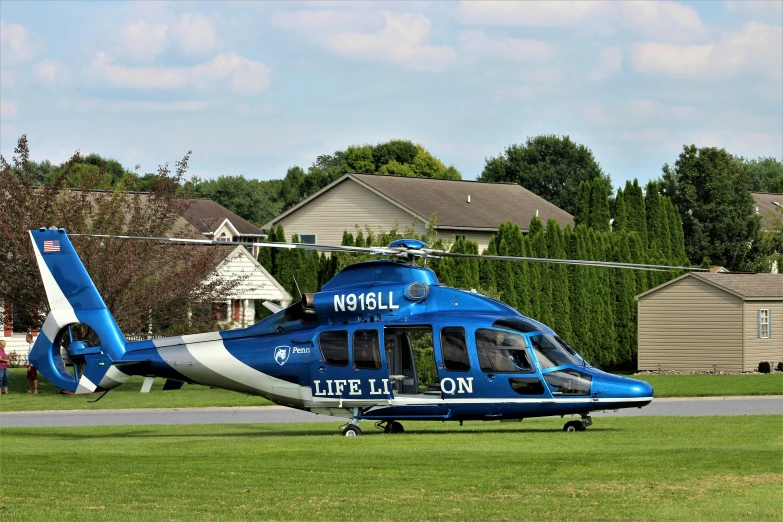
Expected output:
{"points": [[345, 351]]}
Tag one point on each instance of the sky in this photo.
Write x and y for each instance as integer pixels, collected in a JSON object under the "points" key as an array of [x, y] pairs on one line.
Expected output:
{"points": [[254, 88]]}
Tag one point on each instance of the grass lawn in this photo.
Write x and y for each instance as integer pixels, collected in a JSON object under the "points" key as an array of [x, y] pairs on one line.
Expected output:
{"points": [[196, 396], [664, 468], [714, 385], [126, 396]]}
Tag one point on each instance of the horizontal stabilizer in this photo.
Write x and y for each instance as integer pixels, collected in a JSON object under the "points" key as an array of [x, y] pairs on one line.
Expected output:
{"points": [[272, 307], [171, 384], [145, 388]]}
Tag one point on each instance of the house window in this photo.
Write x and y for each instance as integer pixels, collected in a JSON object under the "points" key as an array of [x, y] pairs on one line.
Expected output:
{"points": [[223, 237], [457, 238], [308, 239], [764, 324]]}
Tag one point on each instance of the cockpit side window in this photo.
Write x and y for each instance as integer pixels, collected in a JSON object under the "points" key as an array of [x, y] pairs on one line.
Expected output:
{"points": [[549, 353], [454, 348], [502, 352], [334, 347], [366, 350]]}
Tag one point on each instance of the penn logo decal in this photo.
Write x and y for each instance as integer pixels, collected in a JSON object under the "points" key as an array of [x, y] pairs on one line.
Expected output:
{"points": [[282, 353]]}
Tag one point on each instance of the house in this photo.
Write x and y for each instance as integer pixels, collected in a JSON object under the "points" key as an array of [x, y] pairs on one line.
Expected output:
{"points": [[467, 209], [209, 220], [767, 205], [712, 321]]}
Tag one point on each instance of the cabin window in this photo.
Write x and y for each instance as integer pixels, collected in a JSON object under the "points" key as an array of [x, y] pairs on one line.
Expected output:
{"points": [[366, 350], [334, 347], [526, 385], [454, 348], [308, 239], [568, 382], [764, 324], [549, 352], [502, 352]]}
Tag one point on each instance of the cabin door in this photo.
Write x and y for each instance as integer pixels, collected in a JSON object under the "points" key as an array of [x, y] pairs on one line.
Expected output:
{"points": [[351, 365], [456, 374]]}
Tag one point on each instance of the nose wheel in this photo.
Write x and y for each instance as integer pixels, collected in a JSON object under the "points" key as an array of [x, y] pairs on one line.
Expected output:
{"points": [[578, 425], [350, 430]]}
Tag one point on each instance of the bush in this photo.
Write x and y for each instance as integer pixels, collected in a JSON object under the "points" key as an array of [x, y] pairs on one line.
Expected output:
{"points": [[764, 367], [779, 367]]}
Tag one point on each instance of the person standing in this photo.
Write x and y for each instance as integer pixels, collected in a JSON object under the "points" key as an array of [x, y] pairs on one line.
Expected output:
{"points": [[32, 373], [3, 368]]}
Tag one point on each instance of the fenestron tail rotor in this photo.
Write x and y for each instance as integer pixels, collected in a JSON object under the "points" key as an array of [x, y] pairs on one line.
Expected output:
{"points": [[405, 249]]}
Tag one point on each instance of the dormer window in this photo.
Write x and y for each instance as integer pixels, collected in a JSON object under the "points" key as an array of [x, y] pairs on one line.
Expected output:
{"points": [[223, 237]]}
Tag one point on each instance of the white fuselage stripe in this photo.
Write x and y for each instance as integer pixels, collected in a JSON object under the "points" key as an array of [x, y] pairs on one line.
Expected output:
{"points": [[57, 300]]}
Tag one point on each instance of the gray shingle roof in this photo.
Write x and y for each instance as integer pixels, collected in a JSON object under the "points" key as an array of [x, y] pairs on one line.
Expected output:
{"points": [[490, 203], [205, 216], [765, 202], [747, 285]]}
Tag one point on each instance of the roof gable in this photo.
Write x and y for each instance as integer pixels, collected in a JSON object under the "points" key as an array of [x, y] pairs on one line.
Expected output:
{"points": [[767, 204], [457, 204], [748, 287], [207, 216]]}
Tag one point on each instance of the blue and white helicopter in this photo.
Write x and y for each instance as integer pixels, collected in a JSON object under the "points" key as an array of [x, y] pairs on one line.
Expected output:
{"points": [[347, 350]]}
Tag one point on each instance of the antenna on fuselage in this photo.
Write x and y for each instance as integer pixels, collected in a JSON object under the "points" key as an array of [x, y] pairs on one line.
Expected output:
{"points": [[297, 286]]}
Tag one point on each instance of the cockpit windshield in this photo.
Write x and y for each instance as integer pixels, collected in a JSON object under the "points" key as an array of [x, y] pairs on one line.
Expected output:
{"points": [[549, 352]]}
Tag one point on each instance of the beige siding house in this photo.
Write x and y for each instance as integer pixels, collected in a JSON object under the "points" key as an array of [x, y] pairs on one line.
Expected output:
{"points": [[716, 321], [469, 209]]}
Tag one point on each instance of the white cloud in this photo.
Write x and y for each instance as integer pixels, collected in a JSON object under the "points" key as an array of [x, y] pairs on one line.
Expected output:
{"points": [[530, 13], [131, 105], [312, 20], [15, 43], [196, 34], [8, 109], [764, 9], [244, 76], [402, 41], [610, 63], [757, 48], [260, 110], [640, 112], [142, 40], [48, 71], [476, 42], [666, 20]]}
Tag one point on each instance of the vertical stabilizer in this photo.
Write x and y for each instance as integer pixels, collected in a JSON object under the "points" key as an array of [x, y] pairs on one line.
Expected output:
{"points": [[73, 299]]}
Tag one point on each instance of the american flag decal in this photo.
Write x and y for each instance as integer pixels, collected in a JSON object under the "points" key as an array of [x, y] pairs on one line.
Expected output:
{"points": [[51, 246]]}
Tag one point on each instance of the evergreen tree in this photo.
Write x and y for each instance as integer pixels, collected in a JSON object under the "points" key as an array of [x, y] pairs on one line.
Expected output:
{"points": [[561, 304], [544, 290], [582, 214], [638, 256], [266, 254], [676, 234], [487, 273], [599, 206], [657, 223], [504, 276], [578, 297], [624, 288], [635, 209], [620, 223]]}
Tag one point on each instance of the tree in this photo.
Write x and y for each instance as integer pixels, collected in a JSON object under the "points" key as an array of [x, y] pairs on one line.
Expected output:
{"points": [[549, 166], [620, 223], [561, 298], [764, 174], [711, 189], [599, 206], [635, 209], [254, 200], [172, 286]]}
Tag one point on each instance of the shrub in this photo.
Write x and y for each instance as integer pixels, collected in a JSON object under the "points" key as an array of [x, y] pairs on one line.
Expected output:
{"points": [[764, 367]]}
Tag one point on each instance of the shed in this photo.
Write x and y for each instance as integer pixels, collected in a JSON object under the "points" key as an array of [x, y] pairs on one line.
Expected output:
{"points": [[712, 321]]}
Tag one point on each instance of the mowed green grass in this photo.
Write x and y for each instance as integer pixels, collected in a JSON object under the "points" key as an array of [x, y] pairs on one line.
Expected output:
{"points": [[662, 468], [714, 385], [196, 396], [126, 396]]}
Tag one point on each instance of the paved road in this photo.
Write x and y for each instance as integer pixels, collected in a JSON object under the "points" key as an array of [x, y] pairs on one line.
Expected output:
{"points": [[679, 407]]}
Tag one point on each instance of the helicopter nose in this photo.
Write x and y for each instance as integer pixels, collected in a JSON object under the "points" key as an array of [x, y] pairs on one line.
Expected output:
{"points": [[614, 386]]}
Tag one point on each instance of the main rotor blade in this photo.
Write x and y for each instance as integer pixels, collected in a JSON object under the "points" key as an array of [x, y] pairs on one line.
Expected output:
{"points": [[580, 262], [290, 246]]}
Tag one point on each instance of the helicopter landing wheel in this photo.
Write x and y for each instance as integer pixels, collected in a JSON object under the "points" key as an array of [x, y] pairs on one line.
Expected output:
{"points": [[574, 426], [393, 427], [351, 430]]}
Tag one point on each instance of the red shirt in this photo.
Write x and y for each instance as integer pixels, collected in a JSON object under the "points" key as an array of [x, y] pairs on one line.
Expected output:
{"points": [[3, 364]]}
